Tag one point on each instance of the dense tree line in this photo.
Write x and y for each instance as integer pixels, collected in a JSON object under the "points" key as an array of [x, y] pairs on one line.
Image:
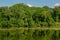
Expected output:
{"points": [[21, 15], [30, 35]]}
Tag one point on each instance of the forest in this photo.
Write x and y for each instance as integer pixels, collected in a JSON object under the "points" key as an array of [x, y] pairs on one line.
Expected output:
{"points": [[21, 15]]}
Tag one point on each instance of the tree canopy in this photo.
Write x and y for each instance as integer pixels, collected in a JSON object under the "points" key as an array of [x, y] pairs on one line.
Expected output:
{"points": [[21, 15]]}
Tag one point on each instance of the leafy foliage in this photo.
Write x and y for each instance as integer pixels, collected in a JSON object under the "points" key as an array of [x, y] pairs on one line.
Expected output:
{"points": [[20, 15]]}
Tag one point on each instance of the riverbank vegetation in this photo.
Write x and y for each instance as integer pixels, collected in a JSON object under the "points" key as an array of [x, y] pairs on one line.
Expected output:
{"points": [[21, 15]]}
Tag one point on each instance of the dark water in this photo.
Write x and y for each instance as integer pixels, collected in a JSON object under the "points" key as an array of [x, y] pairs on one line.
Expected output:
{"points": [[29, 34]]}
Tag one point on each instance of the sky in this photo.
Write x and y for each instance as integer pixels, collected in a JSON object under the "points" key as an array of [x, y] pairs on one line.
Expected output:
{"points": [[37, 3]]}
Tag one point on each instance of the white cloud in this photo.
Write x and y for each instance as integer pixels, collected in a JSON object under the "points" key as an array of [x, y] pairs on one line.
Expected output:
{"points": [[57, 4], [29, 5]]}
